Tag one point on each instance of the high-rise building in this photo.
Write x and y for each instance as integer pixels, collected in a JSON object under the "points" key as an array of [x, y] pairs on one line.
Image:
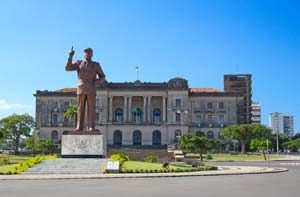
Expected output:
{"points": [[242, 84], [256, 113], [276, 122], [288, 125]]}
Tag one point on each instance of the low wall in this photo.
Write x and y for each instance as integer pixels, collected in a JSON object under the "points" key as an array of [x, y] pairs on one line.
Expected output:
{"points": [[141, 153]]}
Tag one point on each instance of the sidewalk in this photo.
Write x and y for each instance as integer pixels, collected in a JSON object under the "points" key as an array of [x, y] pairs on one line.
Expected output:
{"points": [[223, 170], [288, 158]]}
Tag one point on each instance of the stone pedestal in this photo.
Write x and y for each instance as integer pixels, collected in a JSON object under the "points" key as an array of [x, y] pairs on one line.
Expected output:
{"points": [[82, 144]]}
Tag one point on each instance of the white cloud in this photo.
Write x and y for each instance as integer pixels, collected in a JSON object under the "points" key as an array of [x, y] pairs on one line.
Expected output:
{"points": [[4, 105]]}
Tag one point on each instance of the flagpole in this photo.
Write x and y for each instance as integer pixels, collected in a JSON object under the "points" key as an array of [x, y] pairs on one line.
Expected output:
{"points": [[137, 72]]}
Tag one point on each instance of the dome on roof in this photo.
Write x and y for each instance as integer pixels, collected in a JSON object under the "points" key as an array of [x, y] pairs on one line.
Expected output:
{"points": [[177, 82]]}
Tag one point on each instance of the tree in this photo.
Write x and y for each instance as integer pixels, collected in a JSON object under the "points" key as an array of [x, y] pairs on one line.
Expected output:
{"points": [[293, 145], [245, 133], [296, 136], [71, 113], [282, 139], [29, 143], [44, 145], [196, 143], [261, 145], [16, 127]]}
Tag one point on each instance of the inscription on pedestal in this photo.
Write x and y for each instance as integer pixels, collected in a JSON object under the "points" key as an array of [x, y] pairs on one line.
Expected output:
{"points": [[82, 145]]}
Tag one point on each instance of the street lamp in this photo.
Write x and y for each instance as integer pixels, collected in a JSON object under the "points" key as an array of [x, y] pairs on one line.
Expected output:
{"points": [[277, 142], [182, 111]]}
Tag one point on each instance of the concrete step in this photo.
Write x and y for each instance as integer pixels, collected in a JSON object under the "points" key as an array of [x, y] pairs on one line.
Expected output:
{"points": [[68, 166]]}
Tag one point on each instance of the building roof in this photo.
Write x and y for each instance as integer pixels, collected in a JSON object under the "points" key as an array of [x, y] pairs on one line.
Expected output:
{"points": [[66, 90], [203, 90]]}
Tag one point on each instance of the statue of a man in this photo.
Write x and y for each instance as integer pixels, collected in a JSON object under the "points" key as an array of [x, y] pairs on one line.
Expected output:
{"points": [[87, 71]]}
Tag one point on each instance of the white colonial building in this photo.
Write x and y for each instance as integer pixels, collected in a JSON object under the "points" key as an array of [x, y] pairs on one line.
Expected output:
{"points": [[141, 113]]}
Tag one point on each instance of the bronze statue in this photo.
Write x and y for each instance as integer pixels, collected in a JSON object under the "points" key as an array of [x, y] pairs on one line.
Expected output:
{"points": [[87, 71]]}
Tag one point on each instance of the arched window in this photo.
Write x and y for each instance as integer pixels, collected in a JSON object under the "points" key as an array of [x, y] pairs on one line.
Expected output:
{"points": [[54, 135], [210, 135], [156, 138], [137, 115], [117, 137], [156, 115], [137, 138], [119, 115]]}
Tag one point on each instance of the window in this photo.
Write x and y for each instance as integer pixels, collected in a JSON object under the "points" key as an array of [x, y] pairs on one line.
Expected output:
{"points": [[97, 116], [221, 119], [66, 105], [178, 102], [98, 103], [178, 133], [137, 115], [209, 105], [210, 135], [156, 115], [55, 119], [66, 121], [117, 137], [119, 115], [137, 138], [221, 105], [178, 117], [209, 119], [198, 119], [156, 138], [54, 136]]}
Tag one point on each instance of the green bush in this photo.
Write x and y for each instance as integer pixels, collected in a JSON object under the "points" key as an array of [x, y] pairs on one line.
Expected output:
{"points": [[166, 165], [209, 156], [119, 157], [151, 159], [5, 161]]}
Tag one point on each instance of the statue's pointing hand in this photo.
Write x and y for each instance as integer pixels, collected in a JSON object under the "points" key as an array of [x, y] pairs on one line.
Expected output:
{"points": [[71, 52]]}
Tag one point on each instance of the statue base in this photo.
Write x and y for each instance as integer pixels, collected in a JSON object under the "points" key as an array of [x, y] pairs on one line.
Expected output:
{"points": [[82, 144]]}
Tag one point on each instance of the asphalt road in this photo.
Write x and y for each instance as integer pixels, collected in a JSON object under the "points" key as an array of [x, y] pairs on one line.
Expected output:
{"points": [[263, 185]]}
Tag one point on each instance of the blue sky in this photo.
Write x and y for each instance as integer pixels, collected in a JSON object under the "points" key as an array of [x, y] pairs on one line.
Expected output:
{"points": [[198, 40]]}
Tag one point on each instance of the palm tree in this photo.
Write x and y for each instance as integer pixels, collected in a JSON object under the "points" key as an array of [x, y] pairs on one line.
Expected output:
{"points": [[71, 113]]}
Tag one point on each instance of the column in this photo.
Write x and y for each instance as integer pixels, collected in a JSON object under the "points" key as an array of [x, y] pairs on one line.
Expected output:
{"points": [[144, 109], [149, 109], [125, 110], [110, 108], [164, 109], [129, 109]]}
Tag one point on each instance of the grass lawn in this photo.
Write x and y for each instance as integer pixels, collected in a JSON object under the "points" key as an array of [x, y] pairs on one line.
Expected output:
{"points": [[237, 157], [14, 159]]}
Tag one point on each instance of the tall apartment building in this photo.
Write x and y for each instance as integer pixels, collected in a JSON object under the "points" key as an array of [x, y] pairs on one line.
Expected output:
{"points": [[256, 113], [276, 122], [241, 84], [288, 125], [138, 113]]}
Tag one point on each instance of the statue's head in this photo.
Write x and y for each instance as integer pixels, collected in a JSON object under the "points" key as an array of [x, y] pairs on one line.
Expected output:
{"points": [[88, 53]]}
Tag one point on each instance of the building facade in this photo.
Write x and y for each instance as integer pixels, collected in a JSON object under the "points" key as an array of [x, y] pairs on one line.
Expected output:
{"points": [[276, 122], [256, 113], [142, 114], [242, 84], [281, 123], [288, 125]]}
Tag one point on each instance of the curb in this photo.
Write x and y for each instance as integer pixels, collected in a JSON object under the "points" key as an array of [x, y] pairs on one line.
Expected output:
{"points": [[224, 170]]}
